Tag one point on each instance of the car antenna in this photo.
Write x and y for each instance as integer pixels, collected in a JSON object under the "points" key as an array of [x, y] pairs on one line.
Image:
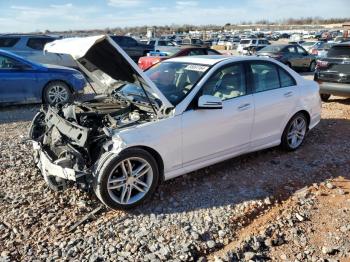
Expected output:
{"points": [[149, 99]]}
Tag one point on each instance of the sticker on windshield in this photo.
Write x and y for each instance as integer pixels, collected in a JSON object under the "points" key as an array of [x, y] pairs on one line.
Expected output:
{"points": [[198, 68]]}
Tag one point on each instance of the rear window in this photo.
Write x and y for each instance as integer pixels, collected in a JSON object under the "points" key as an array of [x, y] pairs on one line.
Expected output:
{"points": [[8, 41], [339, 51], [38, 43]]}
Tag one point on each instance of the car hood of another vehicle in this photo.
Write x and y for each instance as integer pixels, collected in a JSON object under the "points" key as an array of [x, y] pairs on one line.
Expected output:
{"points": [[106, 63]]}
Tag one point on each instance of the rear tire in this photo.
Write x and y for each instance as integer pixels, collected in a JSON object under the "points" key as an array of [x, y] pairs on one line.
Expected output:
{"points": [[116, 180], [325, 97], [57, 92], [294, 133]]}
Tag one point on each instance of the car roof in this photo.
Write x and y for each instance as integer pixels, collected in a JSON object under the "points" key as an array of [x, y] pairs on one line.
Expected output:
{"points": [[213, 59]]}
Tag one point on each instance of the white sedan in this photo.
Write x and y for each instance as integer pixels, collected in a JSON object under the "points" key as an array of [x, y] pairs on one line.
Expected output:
{"points": [[181, 115]]}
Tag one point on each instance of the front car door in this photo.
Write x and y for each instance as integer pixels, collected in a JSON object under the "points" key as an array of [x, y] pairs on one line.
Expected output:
{"points": [[17, 81], [275, 97], [211, 135]]}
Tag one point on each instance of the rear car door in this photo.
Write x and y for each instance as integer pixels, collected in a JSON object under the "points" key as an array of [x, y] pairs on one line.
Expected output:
{"points": [[213, 133], [293, 57], [304, 57], [275, 97], [17, 81]]}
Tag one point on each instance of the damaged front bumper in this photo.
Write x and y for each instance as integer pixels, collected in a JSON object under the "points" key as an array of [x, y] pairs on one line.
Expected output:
{"points": [[51, 168]]}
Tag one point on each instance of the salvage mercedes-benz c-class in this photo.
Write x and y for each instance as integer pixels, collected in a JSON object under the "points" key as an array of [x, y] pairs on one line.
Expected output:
{"points": [[180, 115]]}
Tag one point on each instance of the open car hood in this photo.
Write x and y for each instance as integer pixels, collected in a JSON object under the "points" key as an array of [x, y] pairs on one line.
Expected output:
{"points": [[106, 63]]}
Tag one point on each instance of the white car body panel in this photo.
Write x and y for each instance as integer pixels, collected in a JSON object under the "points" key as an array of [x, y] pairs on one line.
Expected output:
{"points": [[189, 140]]}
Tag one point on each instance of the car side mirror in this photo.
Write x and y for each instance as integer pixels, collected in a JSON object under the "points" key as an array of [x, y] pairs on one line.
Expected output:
{"points": [[209, 102]]}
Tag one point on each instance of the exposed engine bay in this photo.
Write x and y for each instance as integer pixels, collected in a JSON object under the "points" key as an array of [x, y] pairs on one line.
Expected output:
{"points": [[73, 135]]}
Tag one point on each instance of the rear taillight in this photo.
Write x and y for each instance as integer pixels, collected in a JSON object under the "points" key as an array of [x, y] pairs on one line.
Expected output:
{"points": [[314, 51], [322, 64]]}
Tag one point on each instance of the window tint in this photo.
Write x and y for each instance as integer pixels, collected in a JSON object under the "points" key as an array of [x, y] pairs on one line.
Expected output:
{"points": [[196, 52], [254, 42], [8, 41], [227, 83], [339, 51], [152, 42], [130, 41], [212, 52], [38, 43], [7, 63], [265, 76], [301, 50], [285, 78], [291, 49]]}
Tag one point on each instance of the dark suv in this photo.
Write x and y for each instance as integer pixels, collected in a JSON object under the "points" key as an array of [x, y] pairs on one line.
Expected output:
{"points": [[133, 48], [333, 72]]}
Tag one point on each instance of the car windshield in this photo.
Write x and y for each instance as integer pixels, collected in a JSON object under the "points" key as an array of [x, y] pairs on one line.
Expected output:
{"points": [[339, 51], [175, 79], [272, 48]]}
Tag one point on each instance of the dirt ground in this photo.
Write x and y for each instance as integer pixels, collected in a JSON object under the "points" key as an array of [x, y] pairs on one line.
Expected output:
{"points": [[265, 206]]}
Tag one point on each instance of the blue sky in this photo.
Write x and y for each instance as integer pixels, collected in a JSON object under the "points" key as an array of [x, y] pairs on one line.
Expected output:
{"points": [[33, 15]]}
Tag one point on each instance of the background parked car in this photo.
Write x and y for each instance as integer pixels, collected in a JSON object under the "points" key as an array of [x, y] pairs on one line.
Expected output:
{"points": [[31, 47], [148, 61], [321, 49], [133, 48], [251, 43], [333, 72], [294, 56], [162, 45], [23, 81]]}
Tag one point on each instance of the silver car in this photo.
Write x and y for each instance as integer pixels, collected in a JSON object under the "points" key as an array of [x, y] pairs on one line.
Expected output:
{"points": [[31, 47]]}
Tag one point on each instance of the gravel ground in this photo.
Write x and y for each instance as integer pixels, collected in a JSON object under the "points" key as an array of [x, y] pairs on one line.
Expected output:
{"points": [[197, 217]]}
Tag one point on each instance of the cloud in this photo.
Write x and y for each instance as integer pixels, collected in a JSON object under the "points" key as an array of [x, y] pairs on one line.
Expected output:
{"points": [[124, 3], [187, 3]]}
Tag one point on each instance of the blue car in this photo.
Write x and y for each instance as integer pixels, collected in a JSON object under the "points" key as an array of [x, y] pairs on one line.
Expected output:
{"points": [[23, 81]]}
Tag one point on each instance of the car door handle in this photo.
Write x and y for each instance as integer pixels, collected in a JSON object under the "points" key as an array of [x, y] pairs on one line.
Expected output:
{"points": [[243, 107], [288, 94]]}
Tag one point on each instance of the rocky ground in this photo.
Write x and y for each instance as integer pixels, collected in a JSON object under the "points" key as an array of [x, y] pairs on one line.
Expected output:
{"points": [[269, 205]]}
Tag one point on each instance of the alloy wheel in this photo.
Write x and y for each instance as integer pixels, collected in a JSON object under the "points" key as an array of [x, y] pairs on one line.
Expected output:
{"points": [[296, 132], [57, 94], [130, 180]]}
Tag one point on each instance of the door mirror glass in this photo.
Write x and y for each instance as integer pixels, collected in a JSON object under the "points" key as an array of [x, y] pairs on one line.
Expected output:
{"points": [[209, 102]]}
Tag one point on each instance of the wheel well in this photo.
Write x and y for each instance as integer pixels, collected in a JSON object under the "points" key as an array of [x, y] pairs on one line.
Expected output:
{"points": [[51, 81], [307, 115], [156, 156]]}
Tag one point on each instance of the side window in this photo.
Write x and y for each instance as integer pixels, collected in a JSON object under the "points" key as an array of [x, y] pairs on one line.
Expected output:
{"points": [[254, 42], [291, 49], [196, 52], [7, 63], [301, 50], [38, 43], [161, 43], [285, 78], [265, 76], [8, 41], [227, 83], [211, 52]]}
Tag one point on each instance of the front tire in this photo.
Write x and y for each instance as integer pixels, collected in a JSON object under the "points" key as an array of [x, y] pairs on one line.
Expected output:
{"points": [[126, 180], [57, 92], [294, 133]]}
